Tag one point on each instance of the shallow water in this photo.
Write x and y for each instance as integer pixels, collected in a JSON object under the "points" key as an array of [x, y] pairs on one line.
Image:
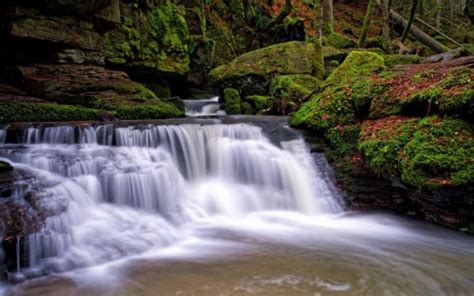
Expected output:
{"points": [[235, 206]]}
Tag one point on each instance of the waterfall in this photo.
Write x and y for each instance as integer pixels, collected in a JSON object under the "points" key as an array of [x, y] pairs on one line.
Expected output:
{"points": [[204, 107], [109, 192]]}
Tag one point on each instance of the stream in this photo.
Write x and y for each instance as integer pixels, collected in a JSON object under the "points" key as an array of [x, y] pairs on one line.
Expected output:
{"points": [[230, 205]]}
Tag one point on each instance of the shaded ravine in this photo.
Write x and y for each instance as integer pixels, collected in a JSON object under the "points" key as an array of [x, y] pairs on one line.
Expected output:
{"points": [[132, 199]]}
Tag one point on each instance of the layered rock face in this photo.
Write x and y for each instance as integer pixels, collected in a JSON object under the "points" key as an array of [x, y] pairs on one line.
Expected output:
{"points": [[57, 56]]}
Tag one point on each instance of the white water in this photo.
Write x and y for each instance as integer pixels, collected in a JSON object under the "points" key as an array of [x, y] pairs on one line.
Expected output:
{"points": [[107, 202], [207, 107]]}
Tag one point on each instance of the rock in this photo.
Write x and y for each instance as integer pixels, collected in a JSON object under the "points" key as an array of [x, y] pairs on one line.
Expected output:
{"points": [[232, 101], [333, 54], [78, 56], [259, 104], [149, 42], [252, 71], [339, 104], [62, 30], [339, 41], [86, 86], [290, 91], [5, 167], [426, 153]]}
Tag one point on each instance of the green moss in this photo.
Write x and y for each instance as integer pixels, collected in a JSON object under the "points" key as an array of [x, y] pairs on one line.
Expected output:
{"points": [[333, 54], [339, 41], [156, 38], [158, 111], [232, 101], [428, 152], [453, 95], [346, 95], [290, 91], [261, 65], [247, 108], [399, 59], [343, 139], [26, 112], [440, 152], [259, 103]]}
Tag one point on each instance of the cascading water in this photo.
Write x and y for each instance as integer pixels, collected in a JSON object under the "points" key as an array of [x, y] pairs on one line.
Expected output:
{"points": [[111, 192], [203, 107]]}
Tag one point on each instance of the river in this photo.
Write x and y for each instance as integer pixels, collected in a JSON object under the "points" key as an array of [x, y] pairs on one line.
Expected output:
{"points": [[217, 206]]}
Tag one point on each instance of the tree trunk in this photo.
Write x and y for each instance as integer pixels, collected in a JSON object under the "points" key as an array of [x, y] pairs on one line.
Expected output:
{"points": [[328, 17], [285, 11], [385, 26], [367, 18], [419, 34], [410, 21], [439, 9]]}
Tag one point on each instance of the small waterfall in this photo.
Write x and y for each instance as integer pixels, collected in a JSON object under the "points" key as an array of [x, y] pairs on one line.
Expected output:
{"points": [[109, 192], [205, 107]]}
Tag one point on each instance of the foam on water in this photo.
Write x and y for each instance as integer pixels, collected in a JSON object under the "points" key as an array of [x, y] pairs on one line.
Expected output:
{"points": [[112, 192]]}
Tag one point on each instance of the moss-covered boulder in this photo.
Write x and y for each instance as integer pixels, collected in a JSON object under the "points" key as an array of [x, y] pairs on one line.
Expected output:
{"points": [[452, 95], [290, 91], [346, 96], [424, 89], [232, 101], [333, 54], [430, 152], [30, 112], [252, 72], [259, 103], [152, 39], [340, 41]]}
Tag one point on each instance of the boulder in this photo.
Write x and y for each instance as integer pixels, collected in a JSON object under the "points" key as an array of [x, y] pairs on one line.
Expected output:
{"points": [[290, 91], [346, 96], [252, 72], [232, 101], [92, 87]]}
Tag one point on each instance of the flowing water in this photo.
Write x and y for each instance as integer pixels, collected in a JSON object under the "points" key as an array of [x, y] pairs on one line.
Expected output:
{"points": [[235, 206], [203, 107]]}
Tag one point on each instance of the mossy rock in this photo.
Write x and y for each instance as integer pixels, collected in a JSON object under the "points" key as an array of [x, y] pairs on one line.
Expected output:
{"points": [[453, 95], [156, 111], [333, 54], [346, 96], [290, 91], [259, 103], [400, 59], [252, 71], [232, 102], [155, 38], [30, 112], [427, 153], [5, 167], [339, 41]]}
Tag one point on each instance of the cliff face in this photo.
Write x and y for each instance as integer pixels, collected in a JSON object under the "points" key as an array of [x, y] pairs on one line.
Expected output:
{"points": [[124, 59]]}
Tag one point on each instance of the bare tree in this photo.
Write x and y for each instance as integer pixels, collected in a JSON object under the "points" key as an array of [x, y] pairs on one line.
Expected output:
{"points": [[367, 18], [328, 17]]}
